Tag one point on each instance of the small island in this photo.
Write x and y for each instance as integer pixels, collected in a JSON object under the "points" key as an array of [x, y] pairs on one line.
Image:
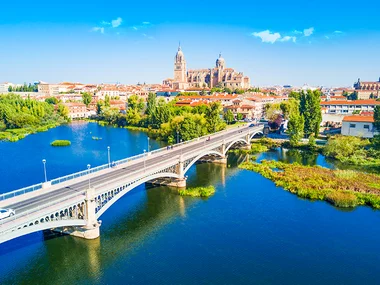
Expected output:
{"points": [[198, 191], [60, 143]]}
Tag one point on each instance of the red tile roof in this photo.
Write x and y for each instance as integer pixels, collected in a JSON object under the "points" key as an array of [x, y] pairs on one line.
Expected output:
{"points": [[359, 119]]}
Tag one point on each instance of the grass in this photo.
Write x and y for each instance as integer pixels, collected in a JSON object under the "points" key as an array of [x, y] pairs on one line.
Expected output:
{"points": [[198, 191], [14, 135], [342, 188], [60, 143]]}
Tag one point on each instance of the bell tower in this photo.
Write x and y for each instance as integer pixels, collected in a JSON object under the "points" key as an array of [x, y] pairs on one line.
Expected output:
{"points": [[179, 66]]}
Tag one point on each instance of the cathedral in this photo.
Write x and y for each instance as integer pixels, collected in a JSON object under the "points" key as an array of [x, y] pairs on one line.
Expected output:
{"points": [[219, 76]]}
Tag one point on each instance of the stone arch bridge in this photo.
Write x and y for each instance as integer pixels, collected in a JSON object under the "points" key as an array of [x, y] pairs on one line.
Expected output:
{"points": [[73, 204]]}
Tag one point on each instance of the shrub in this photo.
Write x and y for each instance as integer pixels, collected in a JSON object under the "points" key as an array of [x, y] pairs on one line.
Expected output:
{"points": [[198, 191], [342, 199], [60, 143]]}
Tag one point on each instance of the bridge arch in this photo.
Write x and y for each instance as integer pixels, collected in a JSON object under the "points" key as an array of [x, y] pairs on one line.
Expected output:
{"points": [[194, 160], [112, 196], [234, 142], [256, 133], [36, 227]]}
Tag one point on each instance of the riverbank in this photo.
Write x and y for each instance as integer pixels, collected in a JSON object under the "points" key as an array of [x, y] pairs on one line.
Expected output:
{"points": [[342, 188]]}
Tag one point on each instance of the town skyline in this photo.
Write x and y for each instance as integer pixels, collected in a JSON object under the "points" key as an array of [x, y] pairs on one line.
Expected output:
{"points": [[272, 47]]}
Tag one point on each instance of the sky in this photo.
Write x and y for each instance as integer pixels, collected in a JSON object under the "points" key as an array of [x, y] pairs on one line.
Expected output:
{"points": [[328, 43]]}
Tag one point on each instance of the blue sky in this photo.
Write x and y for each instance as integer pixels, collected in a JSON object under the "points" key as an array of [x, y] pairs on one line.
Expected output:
{"points": [[329, 43]]}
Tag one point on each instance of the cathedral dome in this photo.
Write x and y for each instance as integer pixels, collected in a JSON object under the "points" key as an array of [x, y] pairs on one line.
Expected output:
{"points": [[179, 57], [220, 62]]}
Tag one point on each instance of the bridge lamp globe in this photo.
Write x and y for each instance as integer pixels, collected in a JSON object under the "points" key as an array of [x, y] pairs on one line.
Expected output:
{"points": [[109, 156], [44, 163], [89, 183]]}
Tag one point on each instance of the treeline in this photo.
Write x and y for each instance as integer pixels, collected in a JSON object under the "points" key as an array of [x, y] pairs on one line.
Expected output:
{"points": [[24, 88], [303, 112], [19, 117], [164, 119]]}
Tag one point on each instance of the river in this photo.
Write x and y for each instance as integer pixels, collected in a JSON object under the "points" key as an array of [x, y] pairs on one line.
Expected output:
{"points": [[249, 232]]}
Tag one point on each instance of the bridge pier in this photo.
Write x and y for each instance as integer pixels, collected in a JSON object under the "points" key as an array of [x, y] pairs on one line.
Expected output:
{"points": [[92, 228]]}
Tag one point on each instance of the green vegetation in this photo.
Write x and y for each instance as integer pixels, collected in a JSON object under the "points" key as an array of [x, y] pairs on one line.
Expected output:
{"points": [[339, 187], [164, 121], [20, 117], [86, 98], [24, 88], [60, 143], [353, 150], [96, 138], [198, 191]]}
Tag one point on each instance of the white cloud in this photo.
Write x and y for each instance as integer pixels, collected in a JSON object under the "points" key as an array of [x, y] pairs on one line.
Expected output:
{"points": [[288, 38], [98, 29], [116, 23], [327, 37], [297, 32], [105, 23], [308, 32], [135, 28], [267, 36], [338, 32], [146, 23]]}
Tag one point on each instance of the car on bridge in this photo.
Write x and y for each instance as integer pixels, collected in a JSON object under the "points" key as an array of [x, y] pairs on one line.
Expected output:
{"points": [[6, 213]]}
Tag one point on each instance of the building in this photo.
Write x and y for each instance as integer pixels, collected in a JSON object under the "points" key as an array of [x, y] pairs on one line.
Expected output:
{"points": [[48, 89], [220, 75], [367, 89], [349, 106], [5, 86], [77, 110], [358, 126]]}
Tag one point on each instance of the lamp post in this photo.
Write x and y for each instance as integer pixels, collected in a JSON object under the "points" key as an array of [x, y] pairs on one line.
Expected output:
{"points": [[148, 144], [109, 156], [177, 137], [89, 178], [44, 163], [144, 158]]}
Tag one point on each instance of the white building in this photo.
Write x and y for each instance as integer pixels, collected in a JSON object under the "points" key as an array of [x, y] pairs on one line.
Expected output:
{"points": [[348, 107], [358, 126]]}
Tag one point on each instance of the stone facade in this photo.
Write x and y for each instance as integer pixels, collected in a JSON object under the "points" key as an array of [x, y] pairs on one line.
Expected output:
{"points": [[212, 77], [367, 89]]}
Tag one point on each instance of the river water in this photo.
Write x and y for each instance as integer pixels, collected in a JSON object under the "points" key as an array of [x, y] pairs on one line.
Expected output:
{"points": [[249, 232]]}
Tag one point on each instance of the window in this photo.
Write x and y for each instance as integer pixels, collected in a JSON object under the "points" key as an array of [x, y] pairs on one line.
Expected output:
{"points": [[352, 125], [366, 127]]}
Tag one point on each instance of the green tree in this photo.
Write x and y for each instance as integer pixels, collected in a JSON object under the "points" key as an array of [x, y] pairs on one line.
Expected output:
{"points": [[310, 110], [376, 117], [228, 116], [107, 101], [86, 98], [52, 100], [151, 105], [136, 102], [214, 122], [239, 116], [63, 110], [99, 106], [295, 128]]}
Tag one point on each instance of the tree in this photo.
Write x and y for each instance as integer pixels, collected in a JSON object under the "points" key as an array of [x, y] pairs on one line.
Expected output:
{"points": [[214, 122], [376, 117], [151, 105], [10, 89], [310, 110], [276, 123], [136, 102], [52, 100], [227, 90], [239, 116], [353, 96], [86, 98], [295, 128], [63, 110], [107, 102], [99, 106], [228, 116]]}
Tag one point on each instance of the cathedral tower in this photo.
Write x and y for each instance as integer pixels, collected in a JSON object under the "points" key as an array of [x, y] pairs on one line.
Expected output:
{"points": [[180, 66]]}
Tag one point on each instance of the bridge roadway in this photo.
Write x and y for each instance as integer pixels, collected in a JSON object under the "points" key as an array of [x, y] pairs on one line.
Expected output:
{"points": [[117, 172]]}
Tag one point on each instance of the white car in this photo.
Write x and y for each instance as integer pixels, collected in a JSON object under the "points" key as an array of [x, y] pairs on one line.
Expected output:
{"points": [[5, 213]]}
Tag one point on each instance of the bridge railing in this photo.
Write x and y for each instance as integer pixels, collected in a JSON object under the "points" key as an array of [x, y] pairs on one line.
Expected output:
{"points": [[96, 169], [38, 208]]}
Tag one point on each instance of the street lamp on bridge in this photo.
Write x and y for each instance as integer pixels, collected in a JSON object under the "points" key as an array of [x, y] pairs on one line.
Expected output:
{"points": [[44, 163], [109, 156], [89, 178], [144, 158], [177, 137], [148, 144]]}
